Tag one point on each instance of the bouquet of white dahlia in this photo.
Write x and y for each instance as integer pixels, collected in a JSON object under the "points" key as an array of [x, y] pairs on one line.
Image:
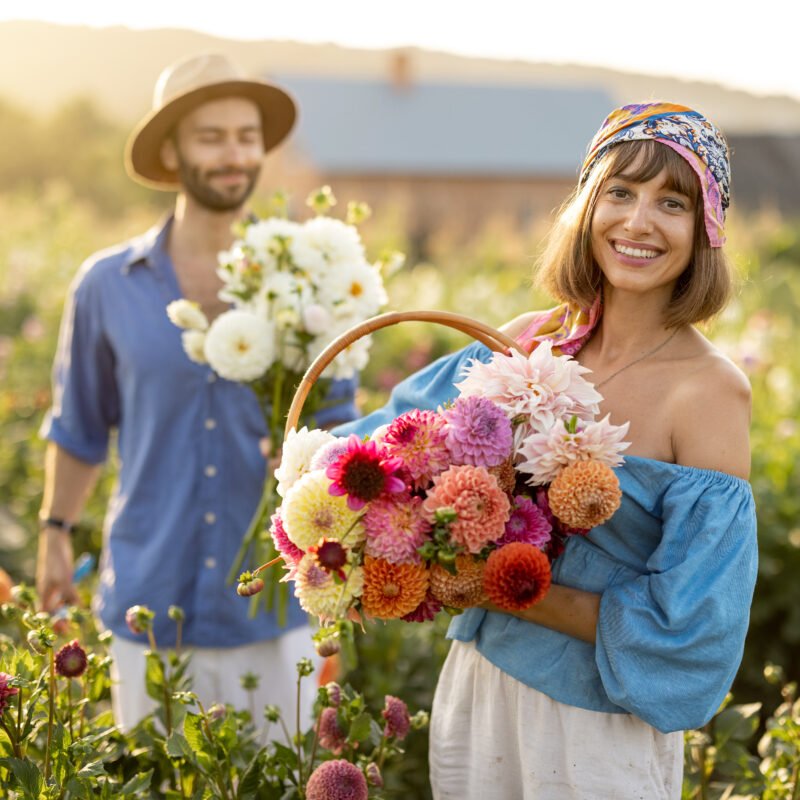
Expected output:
{"points": [[452, 508], [293, 287]]}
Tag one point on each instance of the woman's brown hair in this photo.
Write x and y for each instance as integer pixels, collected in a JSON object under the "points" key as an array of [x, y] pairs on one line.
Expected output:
{"points": [[567, 269]]}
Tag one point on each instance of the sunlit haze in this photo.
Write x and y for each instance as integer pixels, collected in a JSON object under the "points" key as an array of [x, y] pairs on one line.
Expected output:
{"points": [[745, 46]]}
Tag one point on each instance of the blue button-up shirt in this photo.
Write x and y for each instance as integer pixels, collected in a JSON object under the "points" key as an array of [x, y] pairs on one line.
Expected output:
{"points": [[190, 467]]}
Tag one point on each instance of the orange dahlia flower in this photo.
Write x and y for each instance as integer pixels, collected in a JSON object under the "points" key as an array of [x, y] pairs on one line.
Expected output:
{"points": [[462, 590], [392, 590], [516, 576], [584, 494]]}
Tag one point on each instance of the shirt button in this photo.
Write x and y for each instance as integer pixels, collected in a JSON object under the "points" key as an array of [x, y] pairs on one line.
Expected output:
{"points": [[210, 471], [211, 562], [210, 517], [210, 424], [211, 377]]}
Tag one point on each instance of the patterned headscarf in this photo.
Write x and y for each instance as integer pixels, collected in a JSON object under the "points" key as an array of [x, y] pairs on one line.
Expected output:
{"points": [[689, 134]]}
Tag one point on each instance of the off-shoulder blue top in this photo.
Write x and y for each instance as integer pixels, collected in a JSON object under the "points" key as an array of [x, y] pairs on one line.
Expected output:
{"points": [[675, 568]]}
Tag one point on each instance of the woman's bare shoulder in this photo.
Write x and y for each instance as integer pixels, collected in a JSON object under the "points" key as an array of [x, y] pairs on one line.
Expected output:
{"points": [[710, 405]]}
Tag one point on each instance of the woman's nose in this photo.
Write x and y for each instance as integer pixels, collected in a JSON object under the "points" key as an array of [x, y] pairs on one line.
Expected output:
{"points": [[639, 219]]}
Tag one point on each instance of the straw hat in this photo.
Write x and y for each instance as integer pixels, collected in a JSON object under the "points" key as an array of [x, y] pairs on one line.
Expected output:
{"points": [[182, 87]]}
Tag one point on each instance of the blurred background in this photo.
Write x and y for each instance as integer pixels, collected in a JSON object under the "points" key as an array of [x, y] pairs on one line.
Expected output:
{"points": [[463, 126]]}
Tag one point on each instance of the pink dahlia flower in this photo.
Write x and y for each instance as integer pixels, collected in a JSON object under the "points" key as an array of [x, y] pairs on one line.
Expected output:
{"points": [[478, 432], [481, 506], [331, 735], [527, 523], [328, 454], [285, 546], [396, 526], [365, 472], [337, 780], [6, 691], [398, 720], [418, 437]]}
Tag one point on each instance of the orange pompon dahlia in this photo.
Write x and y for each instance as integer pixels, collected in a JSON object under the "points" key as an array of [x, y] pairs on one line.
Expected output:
{"points": [[392, 590], [516, 576], [462, 590], [584, 494]]}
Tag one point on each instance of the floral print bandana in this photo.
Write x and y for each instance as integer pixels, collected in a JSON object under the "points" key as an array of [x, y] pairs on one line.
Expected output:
{"points": [[689, 134], [566, 326]]}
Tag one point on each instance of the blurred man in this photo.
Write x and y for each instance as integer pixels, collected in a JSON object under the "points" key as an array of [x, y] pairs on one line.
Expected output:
{"points": [[191, 469]]}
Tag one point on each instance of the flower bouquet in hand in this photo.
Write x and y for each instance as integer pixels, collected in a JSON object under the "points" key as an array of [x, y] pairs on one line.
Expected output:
{"points": [[293, 288], [458, 507]]}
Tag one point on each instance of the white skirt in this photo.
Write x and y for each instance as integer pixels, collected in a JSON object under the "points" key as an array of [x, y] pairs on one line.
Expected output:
{"points": [[493, 738]]}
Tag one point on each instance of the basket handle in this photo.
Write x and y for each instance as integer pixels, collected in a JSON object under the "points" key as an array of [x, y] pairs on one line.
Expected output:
{"points": [[493, 339]]}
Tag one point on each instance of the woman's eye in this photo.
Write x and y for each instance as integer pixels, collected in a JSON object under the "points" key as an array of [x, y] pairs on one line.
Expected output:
{"points": [[617, 193], [675, 205]]}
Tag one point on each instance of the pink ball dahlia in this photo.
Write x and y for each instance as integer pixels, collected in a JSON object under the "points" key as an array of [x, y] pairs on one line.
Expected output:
{"points": [[331, 734], [395, 527], [527, 523], [481, 506], [337, 780], [398, 720], [418, 437], [365, 472], [478, 432]]}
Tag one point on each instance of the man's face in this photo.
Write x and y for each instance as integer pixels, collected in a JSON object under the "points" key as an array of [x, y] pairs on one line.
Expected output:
{"points": [[217, 150]]}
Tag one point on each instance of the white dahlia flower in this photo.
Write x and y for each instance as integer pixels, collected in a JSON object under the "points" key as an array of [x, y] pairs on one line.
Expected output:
{"points": [[324, 243], [240, 345], [187, 314], [299, 448], [193, 345]]}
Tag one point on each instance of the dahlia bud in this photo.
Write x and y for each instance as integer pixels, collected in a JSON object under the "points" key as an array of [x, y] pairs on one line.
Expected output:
{"points": [[272, 713], [249, 584], [40, 640], [71, 660], [321, 200], [398, 720], [249, 681], [420, 720], [327, 647], [305, 667], [23, 595], [373, 773], [334, 693], [139, 619], [217, 711], [357, 212], [175, 613]]}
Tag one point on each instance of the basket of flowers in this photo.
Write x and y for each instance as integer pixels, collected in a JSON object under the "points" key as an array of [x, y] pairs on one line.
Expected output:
{"points": [[445, 508]]}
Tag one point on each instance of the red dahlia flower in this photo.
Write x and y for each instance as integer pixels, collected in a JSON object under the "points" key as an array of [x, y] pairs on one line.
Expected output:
{"points": [[516, 576]]}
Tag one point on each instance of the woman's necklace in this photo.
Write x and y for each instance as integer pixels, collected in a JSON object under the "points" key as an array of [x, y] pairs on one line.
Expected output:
{"points": [[637, 360]]}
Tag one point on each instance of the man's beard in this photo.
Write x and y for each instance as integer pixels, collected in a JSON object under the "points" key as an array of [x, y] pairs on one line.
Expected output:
{"points": [[198, 186]]}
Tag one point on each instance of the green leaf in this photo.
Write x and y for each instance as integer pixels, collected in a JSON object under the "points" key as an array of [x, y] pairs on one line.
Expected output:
{"points": [[138, 783], [28, 776], [248, 785], [154, 676], [736, 722], [360, 728], [92, 770], [192, 730], [177, 746]]}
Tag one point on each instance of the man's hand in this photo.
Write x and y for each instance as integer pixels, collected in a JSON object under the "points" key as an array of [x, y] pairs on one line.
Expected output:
{"points": [[54, 564]]}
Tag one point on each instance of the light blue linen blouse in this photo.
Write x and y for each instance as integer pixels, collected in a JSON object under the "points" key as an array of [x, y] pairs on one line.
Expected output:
{"points": [[675, 568]]}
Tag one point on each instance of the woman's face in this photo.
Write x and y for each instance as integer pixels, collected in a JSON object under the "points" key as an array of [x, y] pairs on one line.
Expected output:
{"points": [[642, 233]]}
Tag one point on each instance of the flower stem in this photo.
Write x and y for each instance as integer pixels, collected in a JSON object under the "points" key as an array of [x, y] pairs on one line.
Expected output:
{"points": [[69, 711], [52, 700], [253, 529], [297, 734], [13, 739]]}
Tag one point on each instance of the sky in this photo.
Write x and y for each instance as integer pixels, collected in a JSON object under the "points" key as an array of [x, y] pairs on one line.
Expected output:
{"points": [[746, 45]]}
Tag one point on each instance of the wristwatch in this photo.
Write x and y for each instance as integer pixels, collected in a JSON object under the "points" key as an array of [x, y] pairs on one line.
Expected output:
{"points": [[55, 522]]}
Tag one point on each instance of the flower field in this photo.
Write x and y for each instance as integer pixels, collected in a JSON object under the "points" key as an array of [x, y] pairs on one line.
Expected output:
{"points": [[753, 745]]}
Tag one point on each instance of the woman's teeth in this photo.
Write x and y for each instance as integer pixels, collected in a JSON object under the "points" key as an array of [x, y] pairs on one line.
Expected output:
{"points": [[634, 252]]}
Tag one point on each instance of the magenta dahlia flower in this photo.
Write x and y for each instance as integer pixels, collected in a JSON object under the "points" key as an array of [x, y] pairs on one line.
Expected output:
{"points": [[71, 660], [478, 432], [337, 780], [6, 691], [425, 611], [527, 523], [365, 472], [284, 545], [398, 720], [419, 438]]}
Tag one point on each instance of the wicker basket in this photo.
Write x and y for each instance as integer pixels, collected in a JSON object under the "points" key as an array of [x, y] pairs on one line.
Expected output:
{"points": [[493, 339]]}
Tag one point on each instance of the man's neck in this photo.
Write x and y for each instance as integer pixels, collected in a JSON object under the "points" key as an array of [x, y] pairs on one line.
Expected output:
{"points": [[198, 234]]}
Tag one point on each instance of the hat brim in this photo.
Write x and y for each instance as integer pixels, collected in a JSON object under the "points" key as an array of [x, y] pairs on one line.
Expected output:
{"points": [[143, 150]]}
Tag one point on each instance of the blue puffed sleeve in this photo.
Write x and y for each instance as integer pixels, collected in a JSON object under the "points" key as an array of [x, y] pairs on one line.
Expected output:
{"points": [[340, 402], [669, 642], [85, 395], [427, 388]]}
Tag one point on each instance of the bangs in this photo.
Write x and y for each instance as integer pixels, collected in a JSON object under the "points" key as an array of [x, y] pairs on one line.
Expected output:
{"points": [[643, 159]]}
